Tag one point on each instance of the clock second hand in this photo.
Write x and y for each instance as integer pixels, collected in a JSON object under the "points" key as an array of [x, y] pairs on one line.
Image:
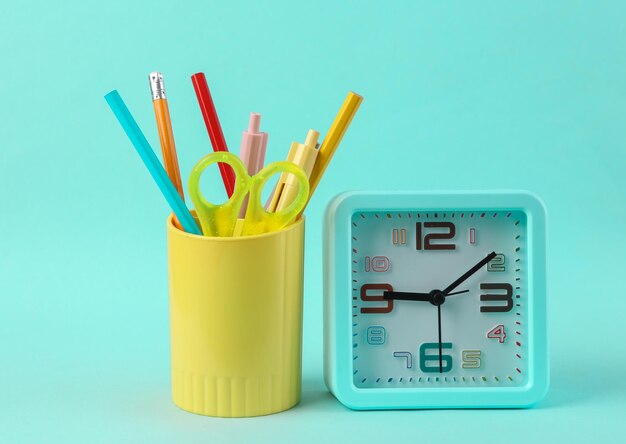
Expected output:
{"points": [[426, 297], [449, 288], [438, 297], [439, 328]]}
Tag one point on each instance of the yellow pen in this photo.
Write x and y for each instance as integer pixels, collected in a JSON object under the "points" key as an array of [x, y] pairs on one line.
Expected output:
{"points": [[333, 138], [303, 155]]}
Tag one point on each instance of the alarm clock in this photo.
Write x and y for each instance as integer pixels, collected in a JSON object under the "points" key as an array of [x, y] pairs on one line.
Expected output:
{"points": [[435, 300]]}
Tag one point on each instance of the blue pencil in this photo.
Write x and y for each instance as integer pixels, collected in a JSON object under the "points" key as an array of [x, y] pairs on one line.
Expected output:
{"points": [[157, 171]]}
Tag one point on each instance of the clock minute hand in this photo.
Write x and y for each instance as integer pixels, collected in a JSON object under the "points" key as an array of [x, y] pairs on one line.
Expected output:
{"points": [[468, 273], [412, 296]]}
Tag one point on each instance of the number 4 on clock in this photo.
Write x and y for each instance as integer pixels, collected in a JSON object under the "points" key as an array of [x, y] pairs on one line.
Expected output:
{"points": [[498, 333]]}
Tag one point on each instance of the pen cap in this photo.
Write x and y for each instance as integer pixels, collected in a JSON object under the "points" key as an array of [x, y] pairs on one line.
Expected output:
{"points": [[303, 155], [252, 151], [253, 145]]}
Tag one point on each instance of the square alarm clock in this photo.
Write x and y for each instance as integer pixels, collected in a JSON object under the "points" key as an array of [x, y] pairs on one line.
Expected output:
{"points": [[435, 300]]}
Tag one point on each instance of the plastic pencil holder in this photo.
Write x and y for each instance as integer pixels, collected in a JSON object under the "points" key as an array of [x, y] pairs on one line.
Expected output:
{"points": [[236, 321]]}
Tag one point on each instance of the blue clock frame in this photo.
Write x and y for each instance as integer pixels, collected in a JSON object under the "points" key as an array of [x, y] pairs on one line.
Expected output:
{"points": [[338, 314]]}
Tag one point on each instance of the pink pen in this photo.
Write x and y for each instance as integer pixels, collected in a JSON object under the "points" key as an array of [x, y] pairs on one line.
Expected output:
{"points": [[252, 151]]}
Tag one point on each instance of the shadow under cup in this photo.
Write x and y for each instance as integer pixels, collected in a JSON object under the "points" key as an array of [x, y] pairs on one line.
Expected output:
{"points": [[236, 321]]}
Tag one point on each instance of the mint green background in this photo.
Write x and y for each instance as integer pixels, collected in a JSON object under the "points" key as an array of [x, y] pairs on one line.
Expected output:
{"points": [[458, 95]]}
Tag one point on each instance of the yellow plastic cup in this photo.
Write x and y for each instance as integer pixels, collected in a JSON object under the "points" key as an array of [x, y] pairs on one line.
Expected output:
{"points": [[236, 321]]}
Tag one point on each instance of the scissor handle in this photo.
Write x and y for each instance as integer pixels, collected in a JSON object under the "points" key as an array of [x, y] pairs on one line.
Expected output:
{"points": [[219, 220], [258, 220]]}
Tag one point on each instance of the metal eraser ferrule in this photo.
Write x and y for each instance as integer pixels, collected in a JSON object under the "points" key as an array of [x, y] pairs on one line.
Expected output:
{"points": [[157, 86]]}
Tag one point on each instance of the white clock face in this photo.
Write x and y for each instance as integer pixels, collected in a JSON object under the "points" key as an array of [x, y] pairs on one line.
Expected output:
{"points": [[401, 257]]}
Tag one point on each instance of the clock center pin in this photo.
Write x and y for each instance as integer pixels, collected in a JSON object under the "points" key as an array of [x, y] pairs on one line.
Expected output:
{"points": [[437, 297]]}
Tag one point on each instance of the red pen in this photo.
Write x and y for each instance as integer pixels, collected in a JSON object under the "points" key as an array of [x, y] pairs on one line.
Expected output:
{"points": [[213, 127]]}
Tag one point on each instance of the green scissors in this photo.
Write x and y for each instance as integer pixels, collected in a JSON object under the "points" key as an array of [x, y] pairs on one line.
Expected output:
{"points": [[221, 220]]}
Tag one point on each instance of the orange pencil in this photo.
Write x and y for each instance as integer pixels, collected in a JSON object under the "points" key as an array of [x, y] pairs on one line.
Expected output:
{"points": [[164, 126], [166, 136]]}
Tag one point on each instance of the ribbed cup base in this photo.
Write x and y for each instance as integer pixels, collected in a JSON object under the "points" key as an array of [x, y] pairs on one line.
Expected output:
{"points": [[233, 397]]}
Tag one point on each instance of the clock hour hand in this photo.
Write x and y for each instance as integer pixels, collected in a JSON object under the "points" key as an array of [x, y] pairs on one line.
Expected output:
{"points": [[412, 296], [406, 296]]}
